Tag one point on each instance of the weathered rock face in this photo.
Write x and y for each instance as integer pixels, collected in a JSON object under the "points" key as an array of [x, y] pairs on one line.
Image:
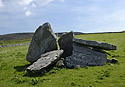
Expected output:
{"points": [[45, 61], [85, 56], [65, 43], [100, 45], [44, 40]]}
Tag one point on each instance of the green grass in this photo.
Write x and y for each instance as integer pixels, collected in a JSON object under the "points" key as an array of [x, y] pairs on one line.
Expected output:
{"points": [[13, 64], [18, 41]]}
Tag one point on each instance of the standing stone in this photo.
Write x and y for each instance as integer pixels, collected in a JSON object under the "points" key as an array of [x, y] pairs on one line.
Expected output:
{"points": [[44, 40], [96, 44], [85, 56], [65, 43], [45, 61]]}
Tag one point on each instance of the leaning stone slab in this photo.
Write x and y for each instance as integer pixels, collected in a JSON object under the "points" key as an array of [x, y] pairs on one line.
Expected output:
{"points": [[96, 44], [44, 40], [83, 56], [65, 43], [45, 61]]}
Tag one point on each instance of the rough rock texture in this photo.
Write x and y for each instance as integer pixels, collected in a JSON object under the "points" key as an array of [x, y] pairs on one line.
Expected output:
{"points": [[45, 61], [101, 50], [100, 45], [44, 40], [65, 43], [85, 56]]}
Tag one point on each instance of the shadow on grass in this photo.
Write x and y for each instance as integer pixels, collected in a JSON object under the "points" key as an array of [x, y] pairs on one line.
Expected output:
{"points": [[41, 73], [21, 68], [29, 74], [38, 73]]}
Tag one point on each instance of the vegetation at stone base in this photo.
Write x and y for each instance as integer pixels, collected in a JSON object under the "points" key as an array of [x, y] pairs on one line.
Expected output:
{"points": [[18, 41], [13, 65]]}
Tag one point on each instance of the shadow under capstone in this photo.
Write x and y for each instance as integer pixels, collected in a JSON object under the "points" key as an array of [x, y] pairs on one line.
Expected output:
{"points": [[39, 74], [21, 68]]}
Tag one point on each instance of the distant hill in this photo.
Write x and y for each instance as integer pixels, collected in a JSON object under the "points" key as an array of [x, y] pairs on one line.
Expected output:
{"points": [[76, 33], [15, 36]]}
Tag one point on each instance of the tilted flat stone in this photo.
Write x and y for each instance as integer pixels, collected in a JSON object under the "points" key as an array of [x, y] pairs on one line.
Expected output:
{"points": [[45, 61], [95, 44], [65, 43], [44, 40], [84, 56]]}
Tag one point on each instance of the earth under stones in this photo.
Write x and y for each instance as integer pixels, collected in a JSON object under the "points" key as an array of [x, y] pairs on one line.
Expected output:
{"points": [[43, 52]]}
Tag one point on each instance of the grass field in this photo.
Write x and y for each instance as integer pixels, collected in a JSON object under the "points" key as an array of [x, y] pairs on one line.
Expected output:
{"points": [[10, 42], [13, 64]]}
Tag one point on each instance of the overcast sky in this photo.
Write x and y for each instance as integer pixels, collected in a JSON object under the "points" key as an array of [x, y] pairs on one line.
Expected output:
{"points": [[63, 15]]}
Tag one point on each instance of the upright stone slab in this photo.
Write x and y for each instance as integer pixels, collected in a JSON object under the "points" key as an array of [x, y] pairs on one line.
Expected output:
{"points": [[65, 43], [44, 40], [45, 61], [84, 56], [96, 44]]}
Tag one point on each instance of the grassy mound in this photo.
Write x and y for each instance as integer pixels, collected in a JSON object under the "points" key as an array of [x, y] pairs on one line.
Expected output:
{"points": [[13, 64]]}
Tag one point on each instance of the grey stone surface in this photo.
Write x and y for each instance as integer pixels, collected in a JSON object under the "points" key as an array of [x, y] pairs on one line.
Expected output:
{"points": [[96, 44], [101, 50], [45, 61], [65, 43], [85, 56], [44, 40]]}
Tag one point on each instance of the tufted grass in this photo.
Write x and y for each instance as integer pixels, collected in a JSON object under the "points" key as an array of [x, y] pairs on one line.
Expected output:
{"points": [[13, 64]]}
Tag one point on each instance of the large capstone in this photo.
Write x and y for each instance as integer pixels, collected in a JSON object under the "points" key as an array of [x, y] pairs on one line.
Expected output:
{"points": [[65, 43], [45, 61], [44, 40], [95, 44], [84, 56]]}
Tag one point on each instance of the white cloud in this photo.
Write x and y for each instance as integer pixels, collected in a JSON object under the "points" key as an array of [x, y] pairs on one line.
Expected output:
{"points": [[34, 5], [25, 8], [43, 2], [24, 2], [1, 4], [62, 0], [38, 2], [28, 13]]}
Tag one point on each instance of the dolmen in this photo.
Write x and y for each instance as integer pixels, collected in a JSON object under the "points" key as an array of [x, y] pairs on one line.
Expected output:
{"points": [[43, 51]]}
